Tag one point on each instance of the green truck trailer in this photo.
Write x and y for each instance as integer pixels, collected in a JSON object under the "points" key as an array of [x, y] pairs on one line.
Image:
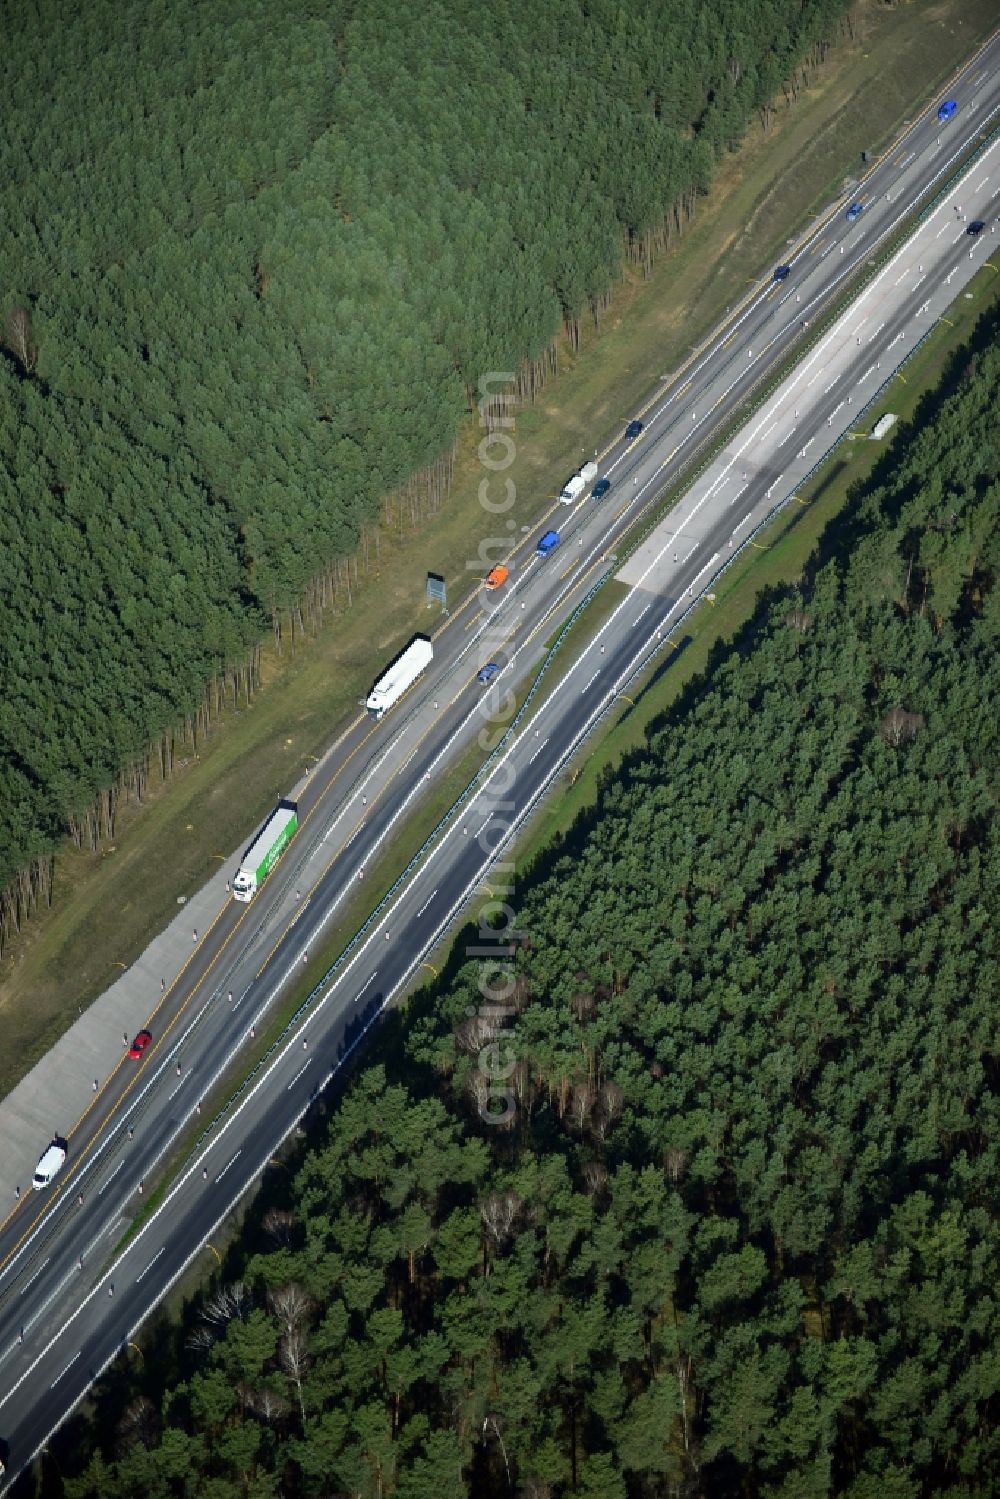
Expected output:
{"points": [[265, 851]]}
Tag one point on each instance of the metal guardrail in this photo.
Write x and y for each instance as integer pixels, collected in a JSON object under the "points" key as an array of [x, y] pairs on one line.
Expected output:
{"points": [[640, 666]]}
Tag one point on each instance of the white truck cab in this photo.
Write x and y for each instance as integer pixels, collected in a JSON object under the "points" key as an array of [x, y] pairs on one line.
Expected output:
{"points": [[577, 483], [572, 489], [50, 1162]]}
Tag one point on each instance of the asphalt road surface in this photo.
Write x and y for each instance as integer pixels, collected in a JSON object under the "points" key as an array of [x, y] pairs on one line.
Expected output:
{"points": [[68, 1303]]}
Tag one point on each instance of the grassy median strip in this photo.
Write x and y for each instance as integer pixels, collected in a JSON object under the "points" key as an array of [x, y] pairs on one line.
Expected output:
{"points": [[785, 546], [355, 912]]}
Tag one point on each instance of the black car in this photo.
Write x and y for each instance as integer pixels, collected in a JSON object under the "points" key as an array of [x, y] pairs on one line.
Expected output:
{"points": [[781, 272], [976, 227], [633, 429], [600, 488]]}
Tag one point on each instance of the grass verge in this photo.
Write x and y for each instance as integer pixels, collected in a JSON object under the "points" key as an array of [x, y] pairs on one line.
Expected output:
{"points": [[786, 546], [107, 906], [380, 875]]}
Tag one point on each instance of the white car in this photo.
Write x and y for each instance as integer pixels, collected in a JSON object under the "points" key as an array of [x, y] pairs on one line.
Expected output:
{"points": [[49, 1163]]}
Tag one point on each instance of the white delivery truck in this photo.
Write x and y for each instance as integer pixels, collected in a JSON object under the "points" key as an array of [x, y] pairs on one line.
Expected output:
{"points": [[265, 851], [574, 487], [401, 676], [49, 1163]]}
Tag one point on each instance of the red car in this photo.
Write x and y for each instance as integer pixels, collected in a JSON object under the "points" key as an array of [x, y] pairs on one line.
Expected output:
{"points": [[139, 1045]]}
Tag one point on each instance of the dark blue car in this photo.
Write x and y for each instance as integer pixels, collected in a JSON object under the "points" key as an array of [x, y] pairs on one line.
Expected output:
{"points": [[487, 672], [633, 429], [600, 488], [948, 108], [854, 212], [781, 272]]}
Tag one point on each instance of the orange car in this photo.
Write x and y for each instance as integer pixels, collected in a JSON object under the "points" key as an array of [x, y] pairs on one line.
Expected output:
{"points": [[498, 577]]}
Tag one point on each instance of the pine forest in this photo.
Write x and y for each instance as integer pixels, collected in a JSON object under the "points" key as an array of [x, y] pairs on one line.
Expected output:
{"points": [[736, 1232], [256, 259]]}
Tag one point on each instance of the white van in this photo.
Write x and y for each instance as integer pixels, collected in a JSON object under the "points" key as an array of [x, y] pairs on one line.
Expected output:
{"points": [[47, 1167]]}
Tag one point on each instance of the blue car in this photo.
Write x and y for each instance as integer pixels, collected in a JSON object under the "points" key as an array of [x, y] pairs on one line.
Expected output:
{"points": [[633, 429], [488, 672], [781, 272], [854, 212], [547, 543], [948, 108], [600, 488]]}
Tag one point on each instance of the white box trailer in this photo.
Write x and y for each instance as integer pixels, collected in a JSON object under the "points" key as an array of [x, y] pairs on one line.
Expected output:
{"points": [[265, 851], [401, 676], [882, 426], [575, 486]]}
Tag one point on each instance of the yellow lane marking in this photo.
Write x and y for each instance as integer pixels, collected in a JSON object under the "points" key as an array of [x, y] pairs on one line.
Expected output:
{"points": [[69, 1182], [545, 622]]}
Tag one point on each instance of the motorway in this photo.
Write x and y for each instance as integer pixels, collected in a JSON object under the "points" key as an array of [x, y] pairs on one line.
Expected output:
{"points": [[68, 1303]]}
